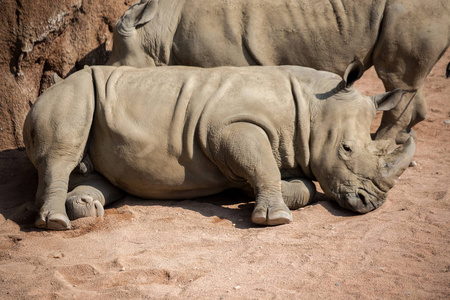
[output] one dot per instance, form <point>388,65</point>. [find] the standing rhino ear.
<point>148,13</point>
<point>353,72</point>
<point>389,100</point>
<point>56,78</point>
<point>138,14</point>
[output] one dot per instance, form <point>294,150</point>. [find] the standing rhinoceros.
<point>403,39</point>
<point>182,132</point>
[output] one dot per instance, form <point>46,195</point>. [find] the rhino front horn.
<point>396,162</point>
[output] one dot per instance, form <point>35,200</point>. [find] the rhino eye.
<point>347,148</point>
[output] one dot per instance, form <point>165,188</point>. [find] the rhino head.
<point>128,45</point>
<point>353,169</point>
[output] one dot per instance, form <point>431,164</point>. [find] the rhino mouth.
<point>361,201</point>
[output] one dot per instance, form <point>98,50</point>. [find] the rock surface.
<point>42,37</point>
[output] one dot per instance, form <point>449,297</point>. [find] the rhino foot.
<point>272,216</point>
<point>80,206</point>
<point>52,221</point>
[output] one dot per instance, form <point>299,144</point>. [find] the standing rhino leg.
<point>89,194</point>
<point>245,154</point>
<point>404,60</point>
<point>297,192</point>
<point>397,123</point>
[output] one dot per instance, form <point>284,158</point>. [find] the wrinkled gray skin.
<point>403,39</point>
<point>182,132</point>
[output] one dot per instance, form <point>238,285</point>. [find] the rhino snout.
<point>361,201</point>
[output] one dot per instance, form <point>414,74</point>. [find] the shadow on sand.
<point>18,184</point>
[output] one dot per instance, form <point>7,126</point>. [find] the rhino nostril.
<point>362,198</point>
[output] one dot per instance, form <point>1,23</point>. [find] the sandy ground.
<point>208,248</point>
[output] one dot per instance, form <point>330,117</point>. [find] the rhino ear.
<point>148,13</point>
<point>139,14</point>
<point>353,72</point>
<point>389,100</point>
<point>56,78</point>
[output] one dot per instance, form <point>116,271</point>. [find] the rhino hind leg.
<point>246,152</point>
<point>54,166</point>
<point>90,193</point>
<point>52,187</point>
<point>298,192</point>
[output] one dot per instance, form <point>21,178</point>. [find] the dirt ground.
<point>208,249</point>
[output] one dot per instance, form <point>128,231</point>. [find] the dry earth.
<point>208,249</point>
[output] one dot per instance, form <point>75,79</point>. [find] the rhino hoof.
<point>53,221</point>
<point>81,206</point>
<point>279,217</point>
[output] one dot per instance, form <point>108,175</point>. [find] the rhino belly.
<point>151,172</point>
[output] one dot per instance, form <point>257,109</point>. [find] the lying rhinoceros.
<point>402,39</point>
<point>183,132</point>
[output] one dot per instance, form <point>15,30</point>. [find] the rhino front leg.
<point>89,194</point>
<point>297,192</point>
<point>245,154</point>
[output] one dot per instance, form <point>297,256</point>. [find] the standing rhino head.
<point>353,169</point>
<point>129,46</point>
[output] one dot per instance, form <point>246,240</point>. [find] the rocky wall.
<point>41,37</point>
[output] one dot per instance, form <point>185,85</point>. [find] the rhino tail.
<point>137,15</point>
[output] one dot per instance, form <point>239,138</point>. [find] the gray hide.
<point>181,132</point>
<point>403,39</point>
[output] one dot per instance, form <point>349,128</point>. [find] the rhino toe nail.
<point>279,218</point>
<point>58,222</point>
<point>259,216</point>
<point>40,222</point>
<point>100,211</point>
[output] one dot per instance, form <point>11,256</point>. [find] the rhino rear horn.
<point>353,72</point>
<point>389,100</point>
<point>395,163</point>
<point>138,14</point>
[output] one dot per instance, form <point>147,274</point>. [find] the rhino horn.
<point>396,162</point>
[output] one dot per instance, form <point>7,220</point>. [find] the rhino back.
<point>274,32</point>
<point>151,131</point>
